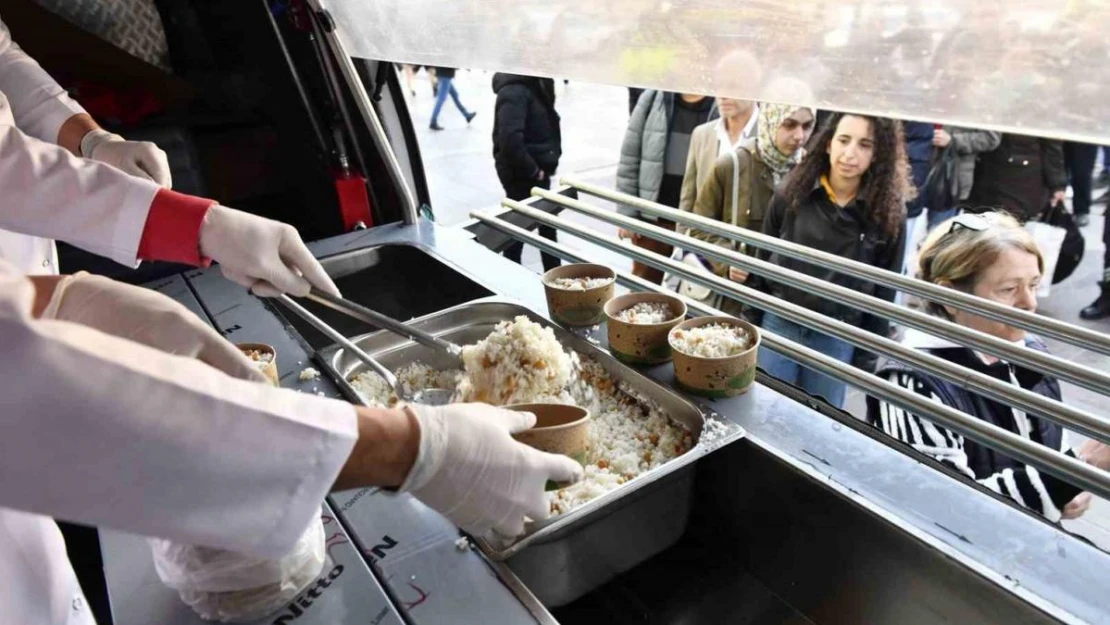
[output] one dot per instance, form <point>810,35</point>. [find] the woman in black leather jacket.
<point>847,198</point>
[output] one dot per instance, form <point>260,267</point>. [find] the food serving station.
<point>791,511</point>
<point>801,519</point>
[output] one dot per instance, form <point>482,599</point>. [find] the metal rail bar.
<point>1064,467</point>
<point>410,207</point>
<point>1078,374</point>
<point>1066,332</point>
<point>1058,412</point>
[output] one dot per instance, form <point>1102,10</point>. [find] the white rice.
<point>646,313</point>
<point>308,373</point>
<point>628,435</point>
<point>578,284</point>
<point>517,363</point>
<point>261,359</point>
<point>712,341</point>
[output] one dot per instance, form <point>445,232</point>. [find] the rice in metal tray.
<point>646,313</point>
<point>628,436</point>
<point>712,341</point>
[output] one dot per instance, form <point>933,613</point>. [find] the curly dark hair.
<point>886,186</point>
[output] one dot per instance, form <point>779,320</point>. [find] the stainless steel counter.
<point>1022,569</point>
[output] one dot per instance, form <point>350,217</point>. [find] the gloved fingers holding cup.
<point>471,470</point>
<point>264,255</point>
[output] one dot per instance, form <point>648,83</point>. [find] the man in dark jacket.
<point>1022,176</point>
<point>526,143</point>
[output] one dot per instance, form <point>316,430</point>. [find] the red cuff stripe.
<point>172,230</point>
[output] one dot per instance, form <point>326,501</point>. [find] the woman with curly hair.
<point>847,198</point>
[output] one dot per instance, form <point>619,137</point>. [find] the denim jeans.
<point>445,87</point>
<point>791,372</point>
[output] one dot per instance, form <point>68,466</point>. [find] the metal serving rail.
<point>1044,326</point>
<point>1085,422</point>
<point>1058,464</point>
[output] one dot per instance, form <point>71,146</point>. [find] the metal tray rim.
<point>328,355</point>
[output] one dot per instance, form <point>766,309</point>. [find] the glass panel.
<point>1032,66</point>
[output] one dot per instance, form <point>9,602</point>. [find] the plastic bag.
<point>231,587</point>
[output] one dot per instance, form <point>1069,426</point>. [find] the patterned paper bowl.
<point>264,357</point>
<point>726,376</point>
<point>579,307</point>
<point>642,343</point>
<point>560,429</point>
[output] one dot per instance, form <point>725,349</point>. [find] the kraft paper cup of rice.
<point>715,356</point>
<point>264,358</point>
<point>559,429</point>
<point>576,294</point>
<point>638,324</point>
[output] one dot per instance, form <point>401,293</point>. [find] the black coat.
<point>919,151</point>
<point>526,136</point>
<point>845,231</point>
<point>1018,176</point>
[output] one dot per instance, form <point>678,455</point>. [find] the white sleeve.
<point>108,432</point>
<point>39,104</point>
<point>48,192</point>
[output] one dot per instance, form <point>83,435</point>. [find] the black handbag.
<point>940,191</point>
<point>1071,252</point>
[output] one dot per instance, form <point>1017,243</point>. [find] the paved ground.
<point>459,165</point>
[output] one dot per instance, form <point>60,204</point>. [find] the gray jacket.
<point>640,173</point>
<point>969,143</point>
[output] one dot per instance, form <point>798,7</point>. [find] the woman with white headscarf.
<point>743,181</point>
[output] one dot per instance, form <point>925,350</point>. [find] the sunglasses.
<point>969,221</point>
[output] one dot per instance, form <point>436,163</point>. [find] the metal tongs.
<point>432,397</point>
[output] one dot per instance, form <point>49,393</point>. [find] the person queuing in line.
<point>445,86</point>
<point>527,144</point>
<point>737,126</point>
<point>1100,308</point>
<point>1079,161</point>
<point>847,198</point>
<point>653,160</point>
<point>919,151</point>
<point>968,143</point>
<point>989,255</point>
<point>1022,176</point>
<point>750,175</point>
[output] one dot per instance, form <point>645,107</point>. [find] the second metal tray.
<point>469,323</point>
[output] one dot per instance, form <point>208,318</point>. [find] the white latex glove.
<point>146,317</point>
<point>138,158</point>
<point>264,255</point>
<point>473,472</point>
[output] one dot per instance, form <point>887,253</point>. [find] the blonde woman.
<point>991,256</point>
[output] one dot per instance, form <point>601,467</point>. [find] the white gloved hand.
<point>473,472</point>
<point>138,158</point>
<point>264,255</point>
<point>146,317</point>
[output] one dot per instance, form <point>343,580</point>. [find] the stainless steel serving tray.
<point>472,322</point>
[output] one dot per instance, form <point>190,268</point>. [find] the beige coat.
<point>704,151</point>
<point>715,197</point>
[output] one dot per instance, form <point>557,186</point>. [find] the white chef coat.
<point>107,432</point>
<point>39,106</point>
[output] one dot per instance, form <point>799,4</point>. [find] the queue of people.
<point>853,195</point>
